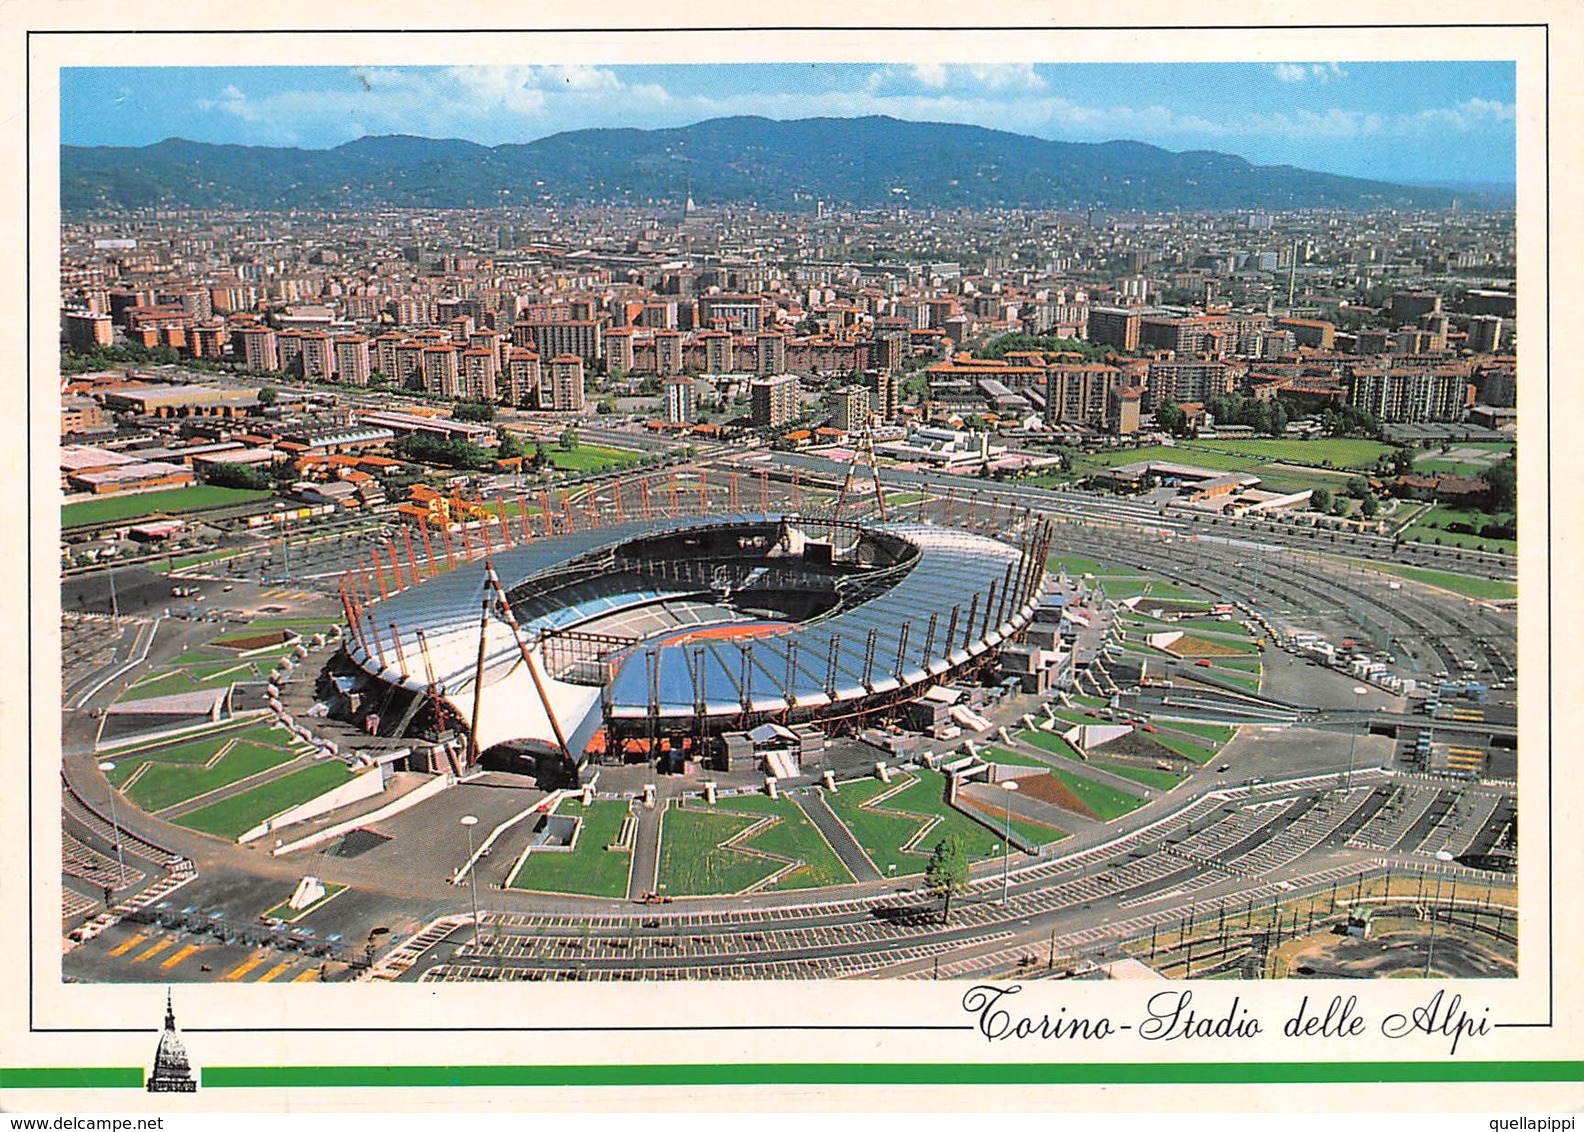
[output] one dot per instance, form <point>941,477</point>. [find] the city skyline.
<point>1388,121</point>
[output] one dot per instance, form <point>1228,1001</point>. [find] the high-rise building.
<point>1485,333</point>
<point>1411,306</point>
<point>1195,379</point>
<point>561,384</point>
<point>477,374</point>
<point>440,370</point>
<point>318,356</point>
<point>522,377</point>
<point>583,337</point>
<point>772,354</point>
<point>1114,326</point>
<point>353,365</point>
<point>85,331</point>
<point>717,351</point>
<point>884,393</point>
<point>681,400</point>
<point>849,408</point>
<point>738,314</point>
<point>774,400</point>
<point>1409,395</point>
<point>1080,394</point>
<point>668,352</point>
<point>258,349</point>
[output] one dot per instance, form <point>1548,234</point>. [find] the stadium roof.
<point>762,667</point>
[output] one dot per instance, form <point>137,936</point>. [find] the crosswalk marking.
<point>122,949</point>
<point>159,946</point>
<point>269,975</point>
<point>311,975</point>
<point>180,955</point>
<point>241,969</point>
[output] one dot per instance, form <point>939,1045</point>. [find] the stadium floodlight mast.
<point>469,821</point>
<point>115,825</point>
<point>1359,692</point>
<point>1010,786</point>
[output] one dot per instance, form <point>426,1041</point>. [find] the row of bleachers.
<point>86,863</point>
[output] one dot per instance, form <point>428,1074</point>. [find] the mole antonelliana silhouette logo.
<point>172,1073</point>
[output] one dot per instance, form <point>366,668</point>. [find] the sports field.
<point>117,507</point>
<point>589,458</point>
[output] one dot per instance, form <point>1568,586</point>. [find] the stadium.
<point>652,639</point>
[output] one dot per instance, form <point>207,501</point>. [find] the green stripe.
<point>1128,1073</point>
<point>69,1078</point>
<point>1146,1073</point>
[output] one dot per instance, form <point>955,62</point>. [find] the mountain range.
<point>779,165</point>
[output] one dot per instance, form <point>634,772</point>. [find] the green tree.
<point>267,396</point>
<point>1501,485</point>
<point>237,475</point>
<point>946,875</point>
<point>1369,507</point>
<point>473,411</point>
<point>510,447</point>
<point>1170,418</point>
<point>569,440</point>
<point>1320,499</point>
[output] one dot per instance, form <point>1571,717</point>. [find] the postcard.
<point>870,563</point>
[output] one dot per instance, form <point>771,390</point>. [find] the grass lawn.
<point>166,784</point>
<point>1107,802</point>
<point>1023,832</point>
<point>1211,731</point>
<point>1187,748</point>
<point>1076,565</point>
<point>1338,452</point>
<point>117,507</point>
<point>1431,527</point>
<point>1212,625</point>
<point>1046,741</point>
<point>694,863</point>
<point>1130,587</point>
<point>588,870</point>
<point>168,683</point>
<point>590,458</point>
<point>883,830</point>
<point>1003,757</point>
<point>1482,588</point>
<point>235,816</point>
<point>1159,779</point>
<point>1242,680</point>
<point>196,748</point>
<point>795,837</point>
<point>1145,775</point>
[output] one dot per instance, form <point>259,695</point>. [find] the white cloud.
<point>1007,76</point>
<point>496,104</point>
<point>1301,72</point>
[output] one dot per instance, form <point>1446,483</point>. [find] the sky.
<point>1418,122</point>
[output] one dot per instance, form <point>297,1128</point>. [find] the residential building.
<point>774,400</point>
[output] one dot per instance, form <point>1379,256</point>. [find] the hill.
<point>857,162</point>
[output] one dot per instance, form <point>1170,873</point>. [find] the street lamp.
<point>1359,692</point>
<point>1010,786</point>
<point>470,821</point>
<point>107,767</point>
